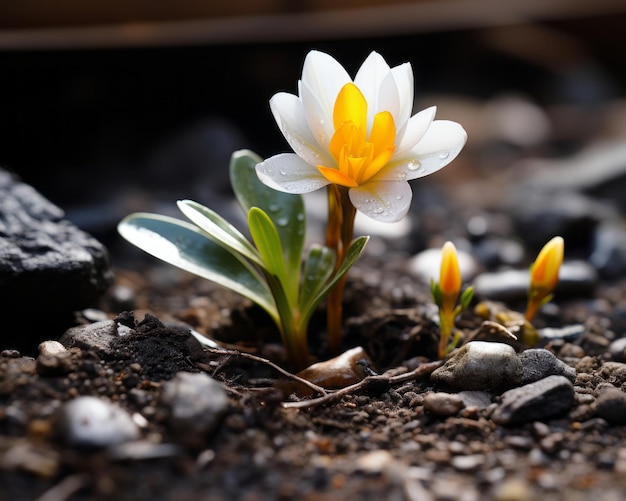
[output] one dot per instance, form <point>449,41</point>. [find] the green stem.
<point>446,324</point>
<point>339,234</point>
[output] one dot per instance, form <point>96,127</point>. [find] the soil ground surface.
<point>374,442</point>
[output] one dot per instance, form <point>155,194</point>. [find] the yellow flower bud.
<point>449,277</point>
<point>544,275</point>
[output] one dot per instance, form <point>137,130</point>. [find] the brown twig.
<point>421,371</point>
<point>249,356</point>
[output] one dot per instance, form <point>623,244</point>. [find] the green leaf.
<point>352,255</point>
<point>435,291</point>
<point>466,297</point>
<point>318,268</point>
<point>267,242</point>
<point>284,209</point>
<point>219,229</point>
<point>185,246</point>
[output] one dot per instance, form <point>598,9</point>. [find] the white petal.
<point>289,173</point>
<point>403,75</point>
<point>440,145</point>
<point>289,114</point>
<point>388,100</point>
<point>368,79</point>
<point>322,79</point>
<point>318,117</point>
<point>386,201</point>
<point>415,129</point>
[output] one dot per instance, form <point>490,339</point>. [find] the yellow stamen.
<point>358,157</point>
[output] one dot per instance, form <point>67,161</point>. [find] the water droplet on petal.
<point>444,154</point>
<point>402,174</point>
<point>398,197</point>
<point>283,172</point>
<point>378,210</point>
<point>413,165</point>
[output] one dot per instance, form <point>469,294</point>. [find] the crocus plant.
<point>269,270</point>
<point>544,275</point>
<point>358,139</point>
<point>448,297</point>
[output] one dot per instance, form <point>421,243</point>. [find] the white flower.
<point>359,134</point>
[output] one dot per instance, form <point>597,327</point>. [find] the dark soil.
<point>375,443</point>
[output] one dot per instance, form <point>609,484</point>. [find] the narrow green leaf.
<point>466,297</point>
<point>284,209</point>
<point>267,242</point>
<point>183,245</point>
<point>352,255</point>
<point>318,268</point>
<point>219,229</point>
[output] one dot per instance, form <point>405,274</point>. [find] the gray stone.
<point>617,350</point>
<point>539,363</point>
<point>98,337</point>
<point>481,365</point>
<point>569,333</point>
<point>477,399</point>
<point>443,404</point>
<point>575,278</point>
<point>608,253</point>
<point>196,403</point>
<point>46,262</point>
<point>611,406</point>
<point>95,422</point>
<point>51,348</point>
<point>543,399</point>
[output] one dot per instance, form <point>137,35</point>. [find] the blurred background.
<point>112,106</point>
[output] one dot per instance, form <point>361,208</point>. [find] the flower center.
<point>358,157</point>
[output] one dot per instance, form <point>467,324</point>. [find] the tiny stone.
<point>539,363</point>
<point>480,365</point>
<point>478,399</point>
<point>95,422</point>
<point>467,463</point>
<point>617,349</point>
<point>611,406</point>
<point>51,348</point>
<point>196,403</point>
<point>54,365</point>
<point>443,404</point>
<point>542,399</point>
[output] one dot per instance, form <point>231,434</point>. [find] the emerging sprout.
<point>269,270</point>
<point>446,296</point>
<point>544,275</point>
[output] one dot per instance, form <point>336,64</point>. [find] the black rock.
<point>49,268</point>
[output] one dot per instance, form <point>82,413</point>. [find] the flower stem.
<point>339,233</point>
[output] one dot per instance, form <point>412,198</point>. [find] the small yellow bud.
<point>544,274</point>
<point>449,277</point>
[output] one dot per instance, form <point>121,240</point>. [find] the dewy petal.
<point>403,75</point>
<point>322,79</point>
<point>371,73</point>
<point>440,145</point>
<point>289,115</point>
<point>386,201</point>
<point>415,129</point>
<point>389,100</point>
<point>287,172</point>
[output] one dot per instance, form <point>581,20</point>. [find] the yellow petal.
<point>350,106</point>
<point>337,177</point>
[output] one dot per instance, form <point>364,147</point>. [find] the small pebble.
<point>546,398</point>
<point>539,363</point>
<point>51,348</point>
<point>617,349</point>
<point>443,404</point>
<point>196,403</point>
<point>611,406</point>
<point>95,422</point>
<point>480,365</point>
